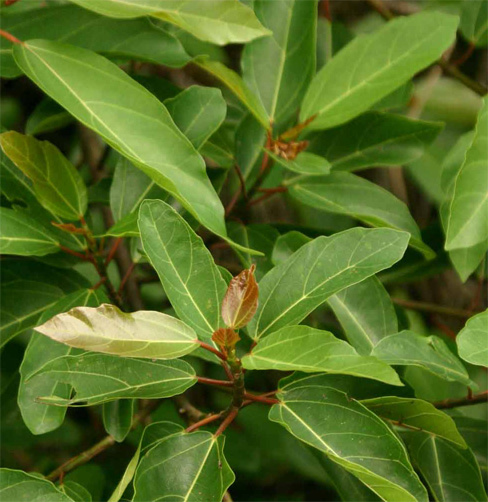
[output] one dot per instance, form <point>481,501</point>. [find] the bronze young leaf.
<point>241,299</point>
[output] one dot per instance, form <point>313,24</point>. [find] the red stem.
<point>126,276</point>
<point>261,399</point>
<point>203,422</point>
<point>208,347</point>
<point>75,253</point>
<point>10,37</point>
<point>465,56</point>
<point>212,381</point>
<point>113,250</point>
<point>227,421</point>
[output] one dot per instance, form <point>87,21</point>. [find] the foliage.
<point>243,250</point>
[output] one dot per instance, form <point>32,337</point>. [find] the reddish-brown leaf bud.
<point>69,227</point>
<point>241,299</point>
<point>225,338</point>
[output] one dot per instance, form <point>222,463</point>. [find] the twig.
<point>189,412</point>
<point>126,277</point>
<point>269,193</point>
<point>464,401</point>
<point>260,399</point>
<point>113,250</point>
<point>467,54</point>
<point>432,308</point>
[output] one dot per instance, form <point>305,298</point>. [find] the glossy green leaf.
<point>185,267</point>
<point>234,82</point>
<point>57,184</point>
<point>48,116</point>
<point>374,139</point>
<point>129,118</point>
<point>474,22</point>
<point>304,163</point>
<point>346,193</point>
<point>372,66</point>
<point>415,414</point>
<point>320,269</point>
<point>351,435</point>
<point>20,486</point>
<point>301,348</point>
<point>431,353</point>
<point>130,186</point>
<point>278,68</point>
<point>27,290</point>
<point>19,190</point>
<point>125,227</point>
<point>40,351</point>
<point>109,330</point>
<point>99,378</point>
<point>450,472</point>
<point>366,314</point>
<point>220,22</point>
<point>472,340</point>
<point>465,260</point>
<point>467,220</point>
<point>117,418</point>
<point>23,236</point>
<point>364,310</point>
<point>83,28</point>
<point>198,112</point>
<point>185,467</point>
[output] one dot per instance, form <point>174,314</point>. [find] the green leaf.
<point>75,491</point>
<point>301,348</point>
<point>467,220</point>
<point>235,83</point>
<point>472,340</point>
<point>346,193</point>
<point>374,65</point>
<point>24,300</point>
<point>185,467</point>
<point>23,236</point>
<point>40,351</point>
<point>450,472</point>
<point>47,116</point>
<point>125,227</point>
<point>129,118</point>
<point>431,353</point>
<point>99,378</point>
<point>366,314</point>
<point>279,68</point>
<point>20,486</point>
<point>109,330</point>
<point>415,414</point>
<point>57,184</point>
<point>19,190</point>
<point>348,487</point>
<point>351,435</point>
<point>117,418</point>
<point>304,163</point>
<point>474,22</point>
<point>475,432</point>
<point>310,275</point>
<point>220,22</point>
<point>185,267</point>
<point>198,112</point>
<point>112,37</point>
<point>374,139</point>
<point>364,310</point>
<point>130,186</point>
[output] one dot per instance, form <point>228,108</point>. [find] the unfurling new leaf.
<point>241,299</point>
